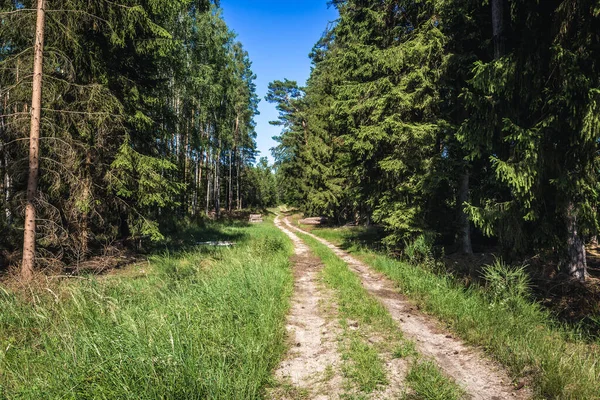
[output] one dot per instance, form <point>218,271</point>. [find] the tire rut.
<point>481,378</point>
<point>311,368</point>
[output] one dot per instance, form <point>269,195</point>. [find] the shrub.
<point>420,250</point>
<point>506,285</point>
<point>269,245</point>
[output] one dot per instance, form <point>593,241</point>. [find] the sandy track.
<point>481,378</point>
<point>312,364</point>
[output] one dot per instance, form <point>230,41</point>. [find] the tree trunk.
<point>305,129</point>
<point>237,178</point>
<point>196,184</point>
<point>201,167</point>
<point>34,139</point>
<point>464,233</point>
<point>184,163</point>
<point>7,186</point>
<point>3,174</point>
<point>230,189</point>
<point>86,199</point>
<point>498,28</point>
<point>237,162</point>
<point>576,258</point>
<point>84,229</point>
<point>208,183</point>
<point>5,179</point>
<point>217,190</point>
<point>124,230</point>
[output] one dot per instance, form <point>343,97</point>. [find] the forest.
<point>428,229</point>
<point>471,124</point>
<point>146,119</point>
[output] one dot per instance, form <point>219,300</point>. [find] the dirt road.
<point>468,366</point>
<point>311,367</point>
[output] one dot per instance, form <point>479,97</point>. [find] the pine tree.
<point>541,144</point>
<point>137,118</point>
<point>34,139</point>
<point>427,117</point>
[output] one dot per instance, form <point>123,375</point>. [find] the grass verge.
<point>428,383</point>
<point>362,318</point>
<point>207,324</point>
<point>521,335</point>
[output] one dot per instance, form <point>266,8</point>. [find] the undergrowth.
<point>205,324</point>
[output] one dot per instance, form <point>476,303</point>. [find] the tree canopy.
<point>450,119</point>
<point>147,118</point>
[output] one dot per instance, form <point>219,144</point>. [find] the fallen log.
<point>216,243</point>
<point>255,218</point>
<point>313,221</point>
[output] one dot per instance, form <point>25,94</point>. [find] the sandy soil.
<point>480,377</point>
<point>311,369</point>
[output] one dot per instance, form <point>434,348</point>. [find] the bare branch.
<point>82,112</point>
<point>2,14</point>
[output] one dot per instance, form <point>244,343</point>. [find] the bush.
<point>420,250</point>
<point>269,245</point>
<point>506,285</point>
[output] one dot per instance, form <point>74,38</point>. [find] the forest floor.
<point>465,366</point>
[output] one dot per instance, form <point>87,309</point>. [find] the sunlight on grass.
<point>204,324</point>
<point>518,333</point>
<point>366,371</point>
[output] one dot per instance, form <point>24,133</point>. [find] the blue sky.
<point>278,35</point>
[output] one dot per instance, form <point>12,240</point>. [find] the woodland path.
<point>481,378</point>
<point>311,369</point>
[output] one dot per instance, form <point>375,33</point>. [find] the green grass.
<point>365,370</point>
<point>404,350</point>
<point>359,315</point>
<point>521,335</point>
<point>369,318</point>
<point>427,383</point>
<point>207,324</point>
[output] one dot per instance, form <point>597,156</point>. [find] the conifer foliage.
<point>449,118</point>
<point>146,118</point>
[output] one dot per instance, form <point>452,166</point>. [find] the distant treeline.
<point>452,119</point>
